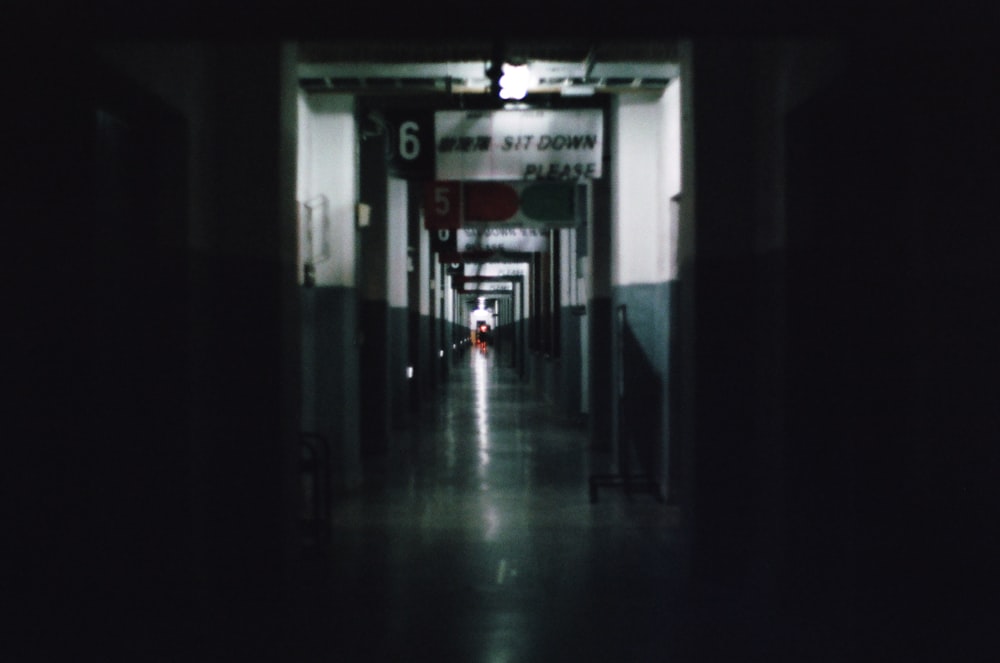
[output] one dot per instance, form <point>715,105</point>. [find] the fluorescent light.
<point>577,91</point>
<point>515,81</point>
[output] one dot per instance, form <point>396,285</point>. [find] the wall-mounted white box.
<point>364,215</point>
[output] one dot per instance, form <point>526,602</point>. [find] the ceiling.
<point>460,67</point>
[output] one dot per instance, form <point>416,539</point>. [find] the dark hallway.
<point>474,540</point>
<point>802,233</point>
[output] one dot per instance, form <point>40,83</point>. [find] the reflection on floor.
<point>474,540</point>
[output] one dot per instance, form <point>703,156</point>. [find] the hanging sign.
<point>410,149</point>
<point>472,285</point>
<point>442,205</point>
<point>489,201</point>
<point>444,239</point>
<point>518,144</point>
<point>514,240</point>
<point>537,205</point>
<point>540,205</point>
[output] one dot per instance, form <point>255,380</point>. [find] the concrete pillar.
<point>423,351</point>
<point>327,193</point>
<point>373,272</point>
<point>569,367</point>
<point>716,260</point>
<point>216,447</point>
<point>398,335</point>
<point>645,182</point>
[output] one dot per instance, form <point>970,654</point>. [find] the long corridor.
<point>474,540</point>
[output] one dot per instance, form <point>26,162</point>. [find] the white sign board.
<point>515,240</point>
<point>490,286</point>
<point>519,144</point>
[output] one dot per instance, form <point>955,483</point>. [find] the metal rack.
<point>642,482</point>
<point>314,471</point>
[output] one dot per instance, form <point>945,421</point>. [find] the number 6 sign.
<point>411,143</point>
<point>409,140</point>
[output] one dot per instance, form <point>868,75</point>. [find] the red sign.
<point>490,201</point>
<point>443,205</point>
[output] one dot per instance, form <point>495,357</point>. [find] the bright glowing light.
<point>515,81</point>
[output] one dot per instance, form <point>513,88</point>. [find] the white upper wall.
<point>327,167</point>
<point>646,132</point>
<point>672,126</point>
<point>397,242</point>
<point>423,263</point>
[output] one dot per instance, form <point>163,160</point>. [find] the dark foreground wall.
<point>904,337</point>
<point>162,342</point>
<point>840,433</point>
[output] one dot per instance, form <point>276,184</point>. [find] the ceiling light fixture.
<point>515,81</point>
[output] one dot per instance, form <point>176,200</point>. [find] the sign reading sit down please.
<point>518,144</point>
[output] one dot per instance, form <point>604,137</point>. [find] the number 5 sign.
<point>443,205</point>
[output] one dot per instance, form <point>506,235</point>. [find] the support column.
<point>373,272</point>
<point>328,173</point>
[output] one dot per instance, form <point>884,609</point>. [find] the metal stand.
<point>314,464</point>
<point>638,482</point>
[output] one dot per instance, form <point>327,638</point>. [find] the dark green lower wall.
<point>557,378</point>
<point>330,366</point>
<point>375,385</point>
<point>398,349</point>
<point>541,371</point>
<point>567,393</point>
<point>599,317</point>
<point>641,418</point>
<point>506,345</point>
<point>423,355</point>
<point>522,331</point>
<point>387,395</point>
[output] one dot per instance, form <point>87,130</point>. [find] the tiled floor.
<point>474,540</point>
